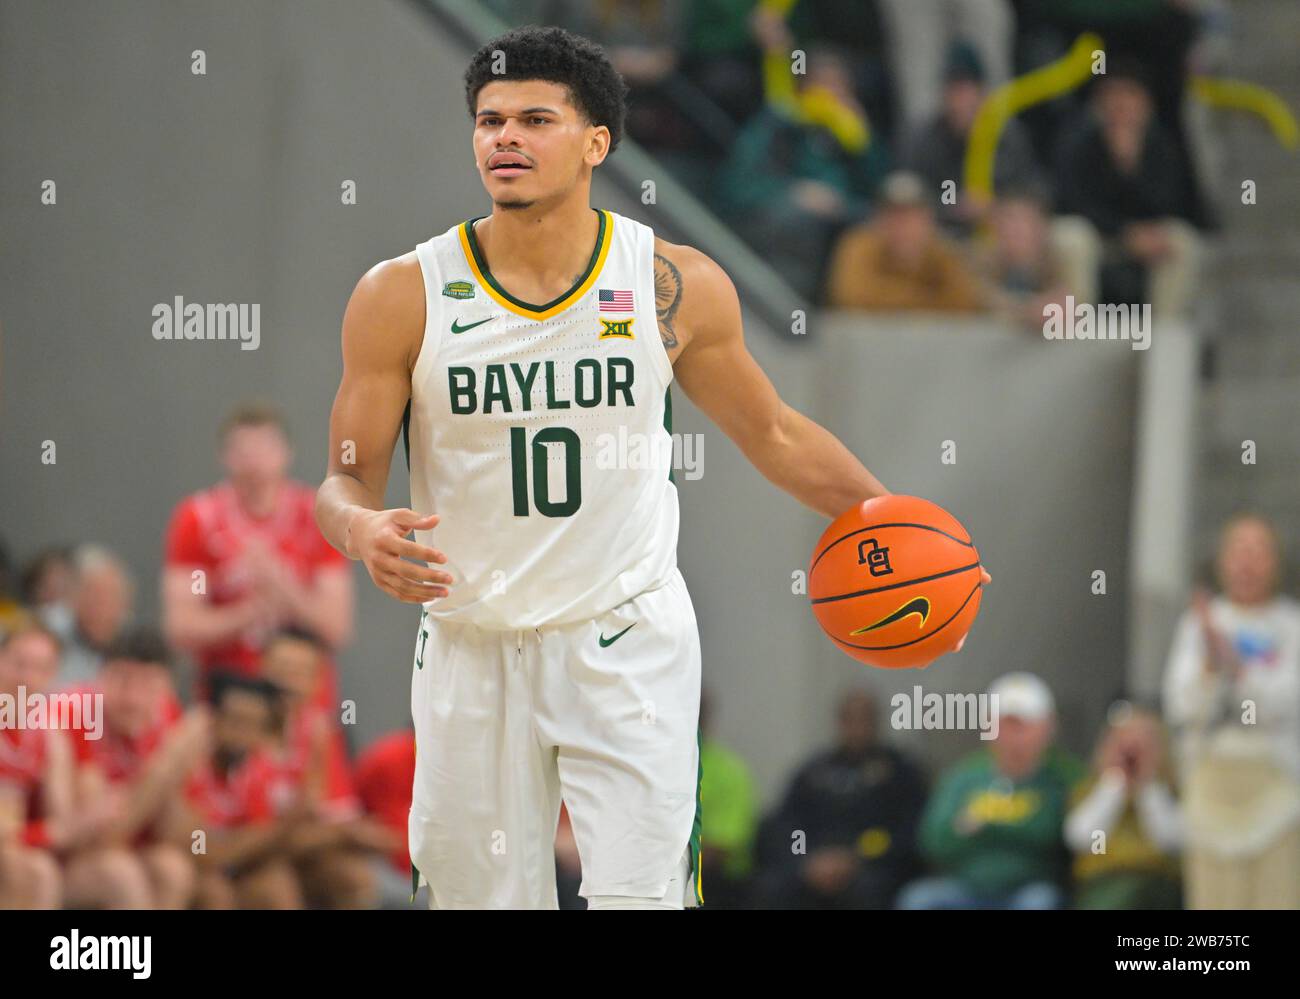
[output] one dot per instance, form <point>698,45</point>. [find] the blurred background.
<point>899,189</point>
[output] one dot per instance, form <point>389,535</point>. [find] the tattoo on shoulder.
<point>668,296</point>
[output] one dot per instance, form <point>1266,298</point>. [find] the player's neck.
<point>549,244</point>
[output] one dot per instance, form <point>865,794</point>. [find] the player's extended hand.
<point>378,538</point>
<point>985,579</point>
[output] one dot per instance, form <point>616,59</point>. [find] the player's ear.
<point>597,145</point>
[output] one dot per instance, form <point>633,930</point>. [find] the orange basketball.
<point>895,581</point>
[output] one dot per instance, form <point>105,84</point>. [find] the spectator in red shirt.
<point>385,775</point>
<point>133,769</point>
<point>334,847</point>
<point>245,558</point>
<point>35,779</point>
<point>244,855</point>
<point>313,754</point>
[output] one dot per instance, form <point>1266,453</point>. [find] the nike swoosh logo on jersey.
<point>605,642</point>
<point>457,328</point>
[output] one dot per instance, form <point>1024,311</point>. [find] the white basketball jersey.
<point>540,434</point>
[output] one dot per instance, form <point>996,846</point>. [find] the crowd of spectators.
<point>240,792</point>
<point>245,793</point>
<point>832,135</point>
<point>1207,819</point>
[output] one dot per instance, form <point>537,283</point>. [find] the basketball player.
<point>557,655</point>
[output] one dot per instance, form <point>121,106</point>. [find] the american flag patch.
<point>616,301</point>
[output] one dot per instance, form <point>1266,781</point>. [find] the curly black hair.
<point>548,53</point>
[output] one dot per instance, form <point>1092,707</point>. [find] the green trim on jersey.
<point>481,263</point>
<point>406,434</point>
<point>415,874</point>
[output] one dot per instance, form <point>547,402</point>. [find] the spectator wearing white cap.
<point>992,829</point>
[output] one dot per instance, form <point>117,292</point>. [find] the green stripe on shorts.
<point>697,827</point>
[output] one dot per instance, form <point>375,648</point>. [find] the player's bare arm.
<point>700,324</point>
<point>382,331</point>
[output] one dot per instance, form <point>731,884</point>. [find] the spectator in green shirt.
<point>729,818</point>
<point>993,828</point>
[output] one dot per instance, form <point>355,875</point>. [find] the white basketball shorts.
<point>603,714</point>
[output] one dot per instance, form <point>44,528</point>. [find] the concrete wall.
<point>1041,479</point>
<point>226,188</point>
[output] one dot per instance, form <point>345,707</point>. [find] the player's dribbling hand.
<point>378,539</point>
<point>985,579</point>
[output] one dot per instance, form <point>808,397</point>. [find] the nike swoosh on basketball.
<point>457,328</point>
<point>605,642</point>
<point>917,605</point>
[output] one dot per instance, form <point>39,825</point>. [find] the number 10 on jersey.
<point>520,450</point>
